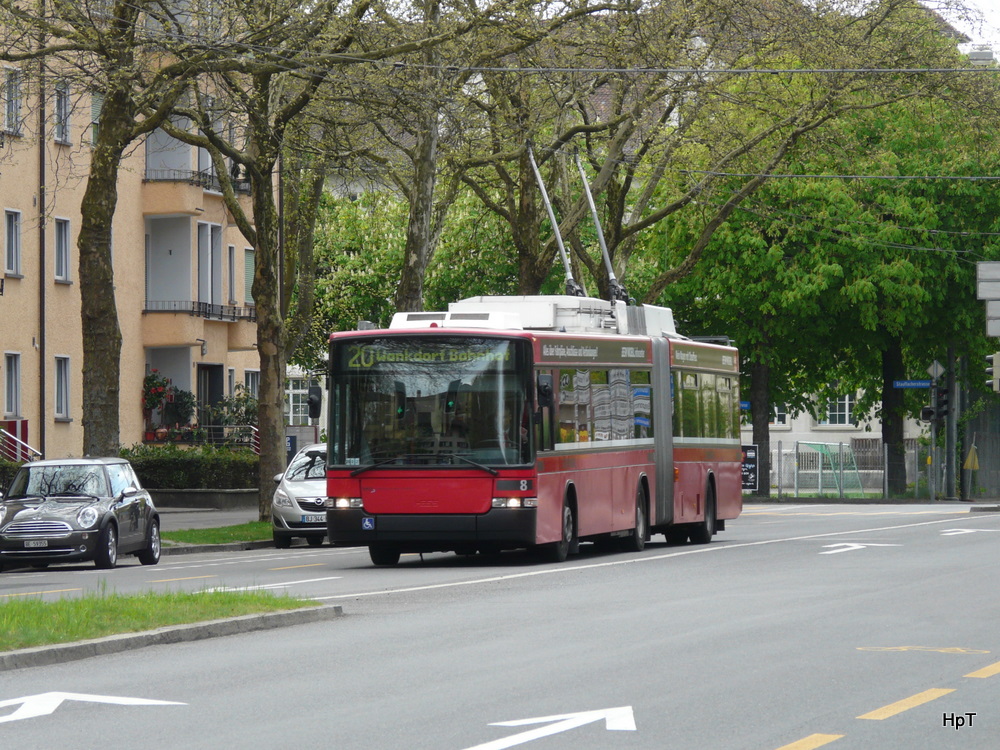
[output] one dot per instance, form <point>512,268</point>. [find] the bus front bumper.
<point>499,528</point>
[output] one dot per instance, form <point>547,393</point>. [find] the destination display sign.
<point>584,351</point>
<point>703,357</point>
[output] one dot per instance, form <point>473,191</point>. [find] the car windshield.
<point>309,464</point>
<point>56,482</point>
<point>430,401</point>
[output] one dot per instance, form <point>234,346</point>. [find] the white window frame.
<point>231,275</point>
<point>62,250</point>
<point>251,379</point>
<point>297,400</point>
<point>12,242</point>
<point>840,411</point>
<point>249,268</point>
<point>96,105</point>
<point>12,384</point>
<point>62,111</point>
<point>12,95</point>
<point>62,385</point>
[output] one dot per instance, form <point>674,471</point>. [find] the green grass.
<point>255,531</point>
<point>28,622</point>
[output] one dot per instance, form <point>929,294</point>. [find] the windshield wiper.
<point>74,494</point>
<point>469,461</point>
<point>404,456</point>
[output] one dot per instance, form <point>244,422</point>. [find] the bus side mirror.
<point>315,401</point>
<point>544,389</point>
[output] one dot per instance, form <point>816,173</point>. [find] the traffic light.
<point>993,370</point>
<point>927,413</point>
<point>941,401</point>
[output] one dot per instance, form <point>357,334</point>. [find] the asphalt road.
<point>799,627</point>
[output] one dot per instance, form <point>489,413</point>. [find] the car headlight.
<point>87,517</point>
<point>3,512</point>
<point>281,498</point>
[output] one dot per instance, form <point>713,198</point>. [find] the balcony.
<point>180,322</point>
<point>182,191</point>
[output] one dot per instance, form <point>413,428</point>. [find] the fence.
<point>855,469</point>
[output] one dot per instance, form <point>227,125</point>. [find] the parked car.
<point>297,509</point>
<point>77,509</point>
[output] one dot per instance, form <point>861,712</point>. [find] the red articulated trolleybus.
<point>529,422</point>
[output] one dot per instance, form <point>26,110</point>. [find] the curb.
<point>190,549</point>
<point>114,644</point>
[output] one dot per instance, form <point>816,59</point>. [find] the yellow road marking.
<point>907,703</point>
<point>35,593</point>
<point>942,650</point>
<point>190,578</point>
<point>812,741</point>
<point>293,567</point>
<point>989,671</point>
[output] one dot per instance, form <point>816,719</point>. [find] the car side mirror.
<point>277,478</point>
<point>128,492</point>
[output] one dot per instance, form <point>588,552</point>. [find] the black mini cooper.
<point>77,509</point>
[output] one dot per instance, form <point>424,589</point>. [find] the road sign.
<point>911,384</point>
<point>615,719</point>
<point>936,369</point>
<point>988,280</point>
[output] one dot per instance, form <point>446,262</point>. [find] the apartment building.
<point>183,271</point>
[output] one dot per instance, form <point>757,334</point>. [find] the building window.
<point>251,379</point>
<point>297,400</point>
<point>96,105</point>
<point>12,385</point>
<point>839,411</point>
<point>779,414</point>
<point>231,274</point>
<point>62,387</point>
<point>63,108</point>
<point>249,263</point>
<point>62,250</point>
<point>13,242</point>
<point>12,102</point>
<point>231,383</point>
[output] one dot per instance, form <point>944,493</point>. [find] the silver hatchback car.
<point>297,509</point>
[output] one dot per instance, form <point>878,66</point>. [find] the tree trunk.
<point>892,416</point>
<point>102,339</point>
<point>760,411</point>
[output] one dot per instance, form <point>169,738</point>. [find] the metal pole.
<point>796,483</point>
<point>573,288</point>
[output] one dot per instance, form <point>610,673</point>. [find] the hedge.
<point>7,471</point>
<point>170,467</point>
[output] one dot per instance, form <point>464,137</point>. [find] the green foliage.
<point>179,407</point>
<point>154,390</point>
<point>238,409</point>
<point>7,471</point>
<point>172,467</point>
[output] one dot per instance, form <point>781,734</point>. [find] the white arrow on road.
<point>849,546</point>
<point>45,703</point>
<point>954,532</point>
<point>615,719</point>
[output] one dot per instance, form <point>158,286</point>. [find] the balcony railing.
<point>204,179</point>
<point>13,449</point>
<point>202,309</point>
<point>228,435</point>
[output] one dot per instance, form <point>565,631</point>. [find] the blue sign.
<point>745,405</point>
<point>368,524</point>
<point>911,384</point>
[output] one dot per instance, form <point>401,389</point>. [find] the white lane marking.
<point>44,704</point>
<point>851,546</point>
<point>615,719</point>
<point>265,586</point>
<point>562,569</point>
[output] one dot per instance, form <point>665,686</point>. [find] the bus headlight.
<point>343,503</point>
<point>515,502</point>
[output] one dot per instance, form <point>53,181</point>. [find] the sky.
<point>989,32</point>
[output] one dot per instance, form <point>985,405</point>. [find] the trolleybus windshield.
<point>426,401</point>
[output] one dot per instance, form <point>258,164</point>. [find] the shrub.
<point>7,471</point>
<point>171,467</point>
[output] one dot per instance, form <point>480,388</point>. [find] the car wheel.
<point>106,555</point>
<point>151,554</point>
<point>281,541</point>
<point>383,555</point>
<point>314,541</point>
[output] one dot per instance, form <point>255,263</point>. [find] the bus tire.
<point>559,551</point>
<point>636,541</point>
<point>383,555</point>
<point>702,533</point>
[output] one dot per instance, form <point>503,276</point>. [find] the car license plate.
<point>32,543</point>
<point>314,518</point>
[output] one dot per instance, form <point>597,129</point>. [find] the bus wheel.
<point>636,541</point>
<point>383,555</point>
<point>559,551</point>
<point>702,533</point>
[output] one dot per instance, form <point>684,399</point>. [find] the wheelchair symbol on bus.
<point>368,524</point>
